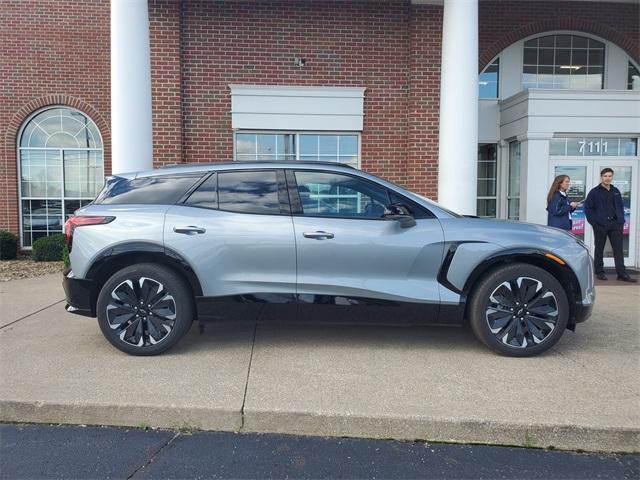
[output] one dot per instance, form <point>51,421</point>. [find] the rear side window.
<point>164,190</point>
<point>249,192</point>
<point>206,195</point>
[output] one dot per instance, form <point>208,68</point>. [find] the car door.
<point>348,254</point>
<point>236,232</point>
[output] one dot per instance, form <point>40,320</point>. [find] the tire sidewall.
<point>172,283</point>
<point>480,300</point>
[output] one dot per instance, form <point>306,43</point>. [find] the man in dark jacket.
<point>605,212</point>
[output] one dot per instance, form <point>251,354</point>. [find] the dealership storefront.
<point>390,87</point>
<point>561,102</point>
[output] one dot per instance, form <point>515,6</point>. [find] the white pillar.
<point>131,147</point>
<point>458,152</point>
<point>535,177</point>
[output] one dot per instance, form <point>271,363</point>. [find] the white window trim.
<point>297,133</point>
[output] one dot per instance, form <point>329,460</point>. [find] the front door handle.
<point>320,235</point>
<point>189,229</point>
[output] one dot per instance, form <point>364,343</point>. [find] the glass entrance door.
<point>585,174</point>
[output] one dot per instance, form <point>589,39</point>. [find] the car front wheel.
<point>145,309</point>
<point>519,310</point>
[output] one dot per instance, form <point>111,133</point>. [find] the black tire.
<point>140,328</point>
<point>523,324</point>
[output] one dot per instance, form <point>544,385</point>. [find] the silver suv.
<point>312,241</point>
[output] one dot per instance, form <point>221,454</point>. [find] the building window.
<point>341,148</point>
<point>265,146</point>
<point>633,77</point>
<point>60,160</point>
<point>563,61</point>
<point>488,80</point>
<point>513,186</point>
<point>487,180</point>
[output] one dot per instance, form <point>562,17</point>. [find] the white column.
<point>458,152</point>
<point>131,147</point>
<point>535,177</point>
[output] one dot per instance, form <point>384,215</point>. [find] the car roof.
<point>195,168</point>
<point>187,168</point>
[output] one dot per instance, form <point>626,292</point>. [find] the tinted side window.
<point>206,195</point>
<point>336,195</point>
<point>249,192</point>
<point>164,190</point>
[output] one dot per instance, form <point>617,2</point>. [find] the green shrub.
<point>49,249</point>
<point>8,245</point>
<point>65,256</point>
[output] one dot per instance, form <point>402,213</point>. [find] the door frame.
<point>594,165</point>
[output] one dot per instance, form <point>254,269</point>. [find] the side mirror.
<point>399,213</point>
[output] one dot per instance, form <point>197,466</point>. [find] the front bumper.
<point>79,294</point>
<point>583,312</point>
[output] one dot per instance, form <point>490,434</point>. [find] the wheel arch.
<point>537,258</point>
<point>134,253</point>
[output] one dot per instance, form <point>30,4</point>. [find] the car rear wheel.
<point>145,309</point>
<point>519,310</point>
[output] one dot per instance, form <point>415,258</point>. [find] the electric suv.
<point>313,242</point>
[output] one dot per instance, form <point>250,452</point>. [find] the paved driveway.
<point>430,383</point>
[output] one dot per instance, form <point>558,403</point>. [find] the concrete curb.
<point>188,418</point>
<point>450,430</point>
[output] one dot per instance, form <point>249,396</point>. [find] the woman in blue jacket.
<point>558,206</point>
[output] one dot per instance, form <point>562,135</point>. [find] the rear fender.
<point>127,254</point>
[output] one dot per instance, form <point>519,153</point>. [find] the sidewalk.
<point>429,383</point>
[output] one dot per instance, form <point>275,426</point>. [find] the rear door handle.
<point>189,229</point>
<point>320,235</point>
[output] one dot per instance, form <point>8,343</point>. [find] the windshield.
<point>431,202</point>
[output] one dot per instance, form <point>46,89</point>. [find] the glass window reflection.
<point>563,62</point>
<point>61,169</point>
<point>249,192</point>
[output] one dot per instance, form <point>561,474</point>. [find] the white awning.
<point>266,107</point>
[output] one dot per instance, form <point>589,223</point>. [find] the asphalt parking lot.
<point>43,452</point>
<point>426,383</point>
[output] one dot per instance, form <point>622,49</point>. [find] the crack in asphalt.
<point>30,314</point>
<point>154,455</point>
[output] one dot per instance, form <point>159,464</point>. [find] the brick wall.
<point>50,53</point>
<point>345,43</point>
<point>58,53</point>
<point>165,23</point>
<point>502,22</point>
<point>424,100</point>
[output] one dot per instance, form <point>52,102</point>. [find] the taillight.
<point>81,221</point>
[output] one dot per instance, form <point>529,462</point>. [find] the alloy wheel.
<point>142,312</point>
<point>522,312</point>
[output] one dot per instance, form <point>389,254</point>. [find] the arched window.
<point>488,80</point>
<point>563,61</point>
<point>60,159</point>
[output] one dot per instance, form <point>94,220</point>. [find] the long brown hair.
<point>555,186</point>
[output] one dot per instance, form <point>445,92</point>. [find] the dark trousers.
<point>614,232</point>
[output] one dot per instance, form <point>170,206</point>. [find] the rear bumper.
<point>79,295</point>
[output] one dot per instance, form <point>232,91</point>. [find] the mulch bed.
<point>24,267</point>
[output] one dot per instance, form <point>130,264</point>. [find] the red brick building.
<point>215,66</point>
